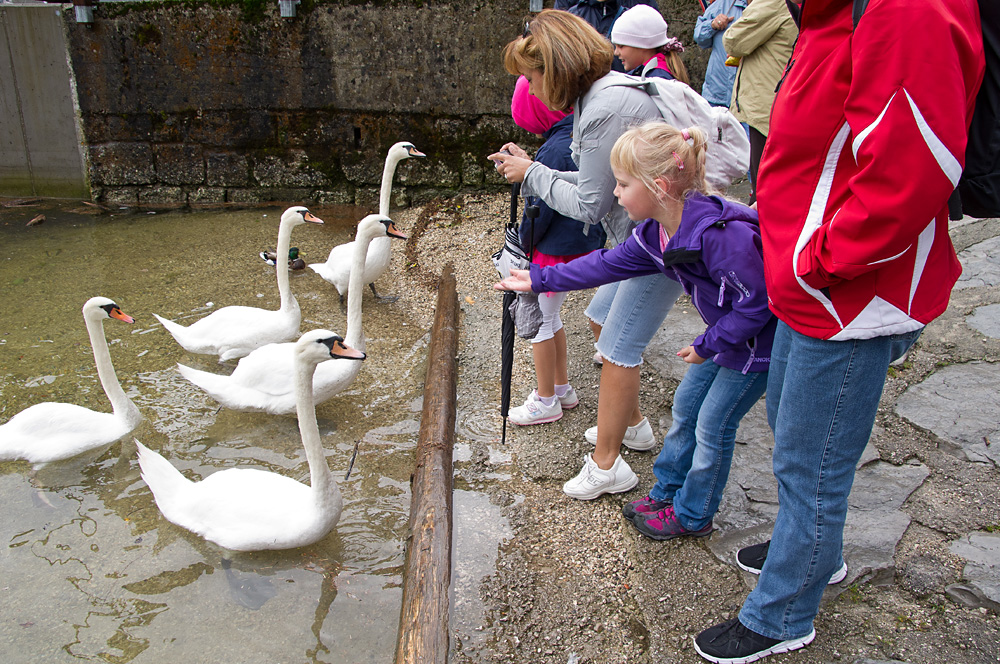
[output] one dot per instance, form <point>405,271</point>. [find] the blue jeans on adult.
<point>822,397</point>
<point>693,466</point>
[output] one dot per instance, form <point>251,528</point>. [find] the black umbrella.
<point>507,330</point>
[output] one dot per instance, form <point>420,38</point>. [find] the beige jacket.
<point>763,38</point>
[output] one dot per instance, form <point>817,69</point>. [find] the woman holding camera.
<point>568,65</point>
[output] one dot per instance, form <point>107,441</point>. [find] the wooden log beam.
<point>423,622</point>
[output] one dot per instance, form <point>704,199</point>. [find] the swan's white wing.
<point>235,331</point>
<point>54,431</point>
<point>269,369</point>
<point>333,377</point>
<point>262,381</point>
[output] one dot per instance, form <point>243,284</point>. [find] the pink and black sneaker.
<point>644,506</point>
<point>664,525</point>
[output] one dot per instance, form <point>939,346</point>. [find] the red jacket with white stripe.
<point>867,142</point>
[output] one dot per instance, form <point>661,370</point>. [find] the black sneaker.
<point>751,558</point>
<point>733,643</point>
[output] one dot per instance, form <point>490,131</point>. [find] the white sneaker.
<point>598,358</point>
<point>639,437</point>
<point>569,400</point>
<point>593,482</point>
<point>535,412</point>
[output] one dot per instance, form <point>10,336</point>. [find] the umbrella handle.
<point>515,193</point>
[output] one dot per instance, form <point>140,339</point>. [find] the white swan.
<point>245,509</point>
<point>232,332</point>
<point>337,268</point>
<point>53,431</point>
<point>264,379</point>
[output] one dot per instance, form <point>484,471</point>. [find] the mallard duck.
<point>294,262</point>
<point>234,331</point>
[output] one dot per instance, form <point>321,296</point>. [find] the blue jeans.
<point>693,466</point>
<point>822,397</point>
<point>629,313</point>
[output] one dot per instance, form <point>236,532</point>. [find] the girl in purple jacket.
<point>712,247</point>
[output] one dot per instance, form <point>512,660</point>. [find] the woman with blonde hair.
<point>566,63</point>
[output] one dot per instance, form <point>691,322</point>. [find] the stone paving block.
<point>986,320</point>
<point>980,265</point>
<point>959,404</point>
<point>981,585</point>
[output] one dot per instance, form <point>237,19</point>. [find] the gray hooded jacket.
<point>601,115</point>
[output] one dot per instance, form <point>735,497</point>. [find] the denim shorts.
<point>629,313</point>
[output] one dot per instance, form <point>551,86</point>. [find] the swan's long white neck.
<point>120,403</point>
<point>388,171</point>
<point>281,266</point>
<point>355,335</point>
<point>320,478</point>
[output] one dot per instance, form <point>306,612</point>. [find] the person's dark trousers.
<point>757,141</point>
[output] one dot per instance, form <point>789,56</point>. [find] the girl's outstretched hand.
<point>519,281</point>
<point>688,355</point>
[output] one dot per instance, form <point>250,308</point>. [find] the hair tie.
<point>673,45</point>
<point>686,135</point>
<point>679,162</point>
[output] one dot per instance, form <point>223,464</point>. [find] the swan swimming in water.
<point>264,379</point>
<point>246,509</point>
<point>337,268</point>
<point>54,431</point>
<point>232,332</point>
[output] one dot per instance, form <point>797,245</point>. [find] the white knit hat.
<point>640,27</point>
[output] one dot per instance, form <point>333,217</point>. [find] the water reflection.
<point>91,569</point>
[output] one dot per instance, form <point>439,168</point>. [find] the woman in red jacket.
<point>867,140</point>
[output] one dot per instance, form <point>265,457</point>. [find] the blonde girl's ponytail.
<point>658,150</point>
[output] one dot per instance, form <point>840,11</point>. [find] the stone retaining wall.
<point>186,103</point>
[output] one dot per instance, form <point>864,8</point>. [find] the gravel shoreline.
<point>575,582</point>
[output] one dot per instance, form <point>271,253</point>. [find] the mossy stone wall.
<point>188,103</point>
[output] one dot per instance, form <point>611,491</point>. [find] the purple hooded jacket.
<point>715,254</point>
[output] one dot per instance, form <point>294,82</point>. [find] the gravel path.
<point>576,583</point>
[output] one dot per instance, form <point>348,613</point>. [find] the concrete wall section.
<point>40,152</point>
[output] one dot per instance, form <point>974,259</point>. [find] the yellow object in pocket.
<point>732,61</point>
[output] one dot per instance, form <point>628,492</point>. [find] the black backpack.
<point>978,193</point>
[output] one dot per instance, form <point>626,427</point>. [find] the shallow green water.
<point>90,570</point>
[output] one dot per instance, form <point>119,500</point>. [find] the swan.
<point>232,332</point>
<point>246,509</point>
<point>337,268</point>
<point>264,379</point>
<point>54,431</point>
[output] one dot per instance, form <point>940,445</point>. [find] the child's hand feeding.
<point>688,355</point>
<point>519,281</point>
